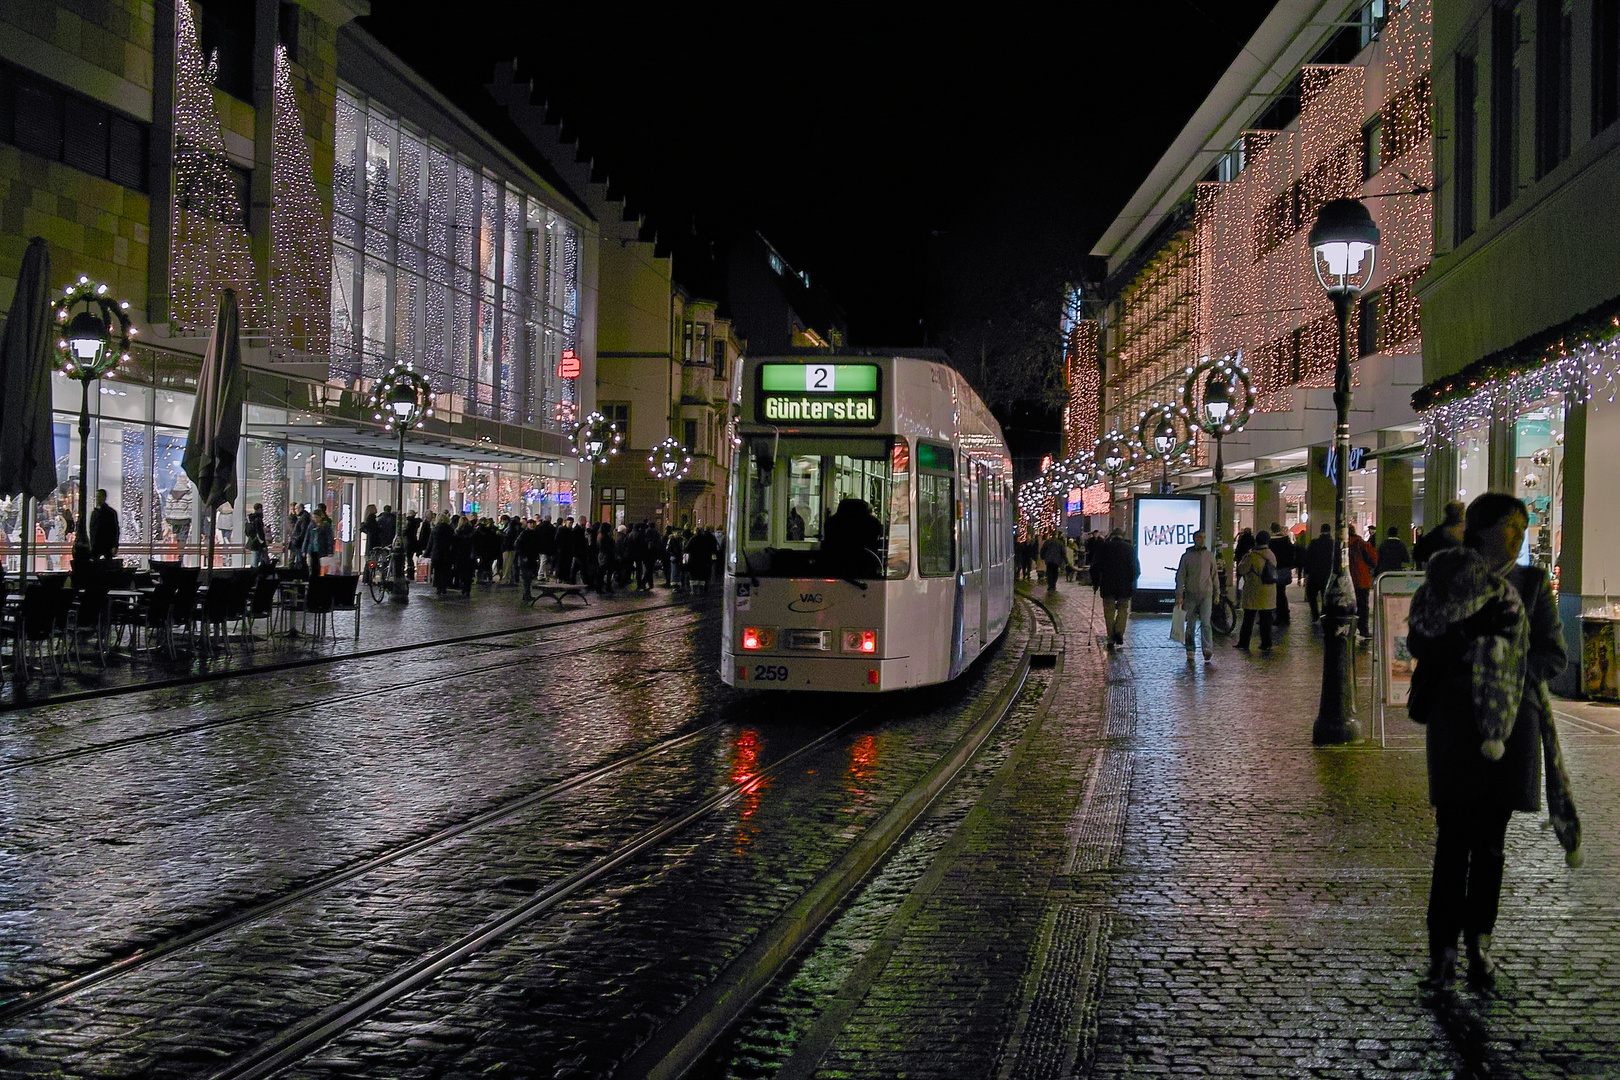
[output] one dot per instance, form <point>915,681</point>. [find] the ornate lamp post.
<point>1217,398</point>
<point>1115,456</point>
<point>668,462</point>
<point>400,400</point>
<point>1164,435</point>
<point>1344,251</point>
<point>86,351</point>
<point>596,442</point>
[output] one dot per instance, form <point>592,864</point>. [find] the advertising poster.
<point>1164,529</point>
<point>1398,670</point>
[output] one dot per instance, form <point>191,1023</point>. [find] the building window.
<point>1372,147</point>
<point>1605,63</point>
<point>287,27</point>
<point>1367,325</point>
<point>686,344</point>
<point>1231,163</point>
<point>689,436</point>
<point>1506,26</point>
<point>618,413</point>
<point>439,262</point>
<point>54,123</point>
<point>720,357</point>
<point>225,32</point>
<point>1554,45</point>
<point>1466,146</point>
<point>700,353</point>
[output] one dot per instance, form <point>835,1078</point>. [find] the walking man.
<point>1116,582</point>
<point>1282,546</point>
<point>1318,568</point>
<point>1195,596</point>
<point>1054,556</point>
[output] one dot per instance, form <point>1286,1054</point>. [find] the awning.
<point>344,436</point>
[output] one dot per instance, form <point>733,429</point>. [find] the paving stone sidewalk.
<point>426,619</point>
<point>1176,883</point>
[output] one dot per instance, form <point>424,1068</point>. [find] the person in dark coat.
<point>674,558</point>
<point>654,558</point>
<point>425,533</point>
<point>635,554</point>
<point>1054,555</point>
<point>465,559</point>
<point>1363,562</point>
<point>1473,793</point>
<point>103,528</point>
<point>1318,569</point>
<point>1449,533</point>
<point>1094,544</point>
<point>1392,554</point>
<point>607,555</point>
<point>408,532</point>
<point>1117,569</point>
<point>526,551</point>
<point>701,551</point>
<point>546,547</point>
<point>441,553</point>
<point>853,539</point>
<point>1282,549</point>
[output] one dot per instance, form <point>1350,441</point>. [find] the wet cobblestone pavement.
<point>1144,870</point>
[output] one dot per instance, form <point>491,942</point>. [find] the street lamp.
<point>400,400</point>
<point>1217,398</point>
<point>1344,251</point>
<point>1164,436</point>
<point>86,351</point>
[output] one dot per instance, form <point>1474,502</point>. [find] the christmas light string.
<point>300,240</point>
<point>669,460</point>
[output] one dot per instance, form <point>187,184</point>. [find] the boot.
<point>1442,968</point>
<point>1481,969</point>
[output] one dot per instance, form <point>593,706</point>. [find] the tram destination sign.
<point>839,395</point>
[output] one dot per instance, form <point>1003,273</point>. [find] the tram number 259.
<point>770,673</point>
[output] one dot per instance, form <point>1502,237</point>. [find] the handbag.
<point>1268,572</point>
<point>1178,624</point>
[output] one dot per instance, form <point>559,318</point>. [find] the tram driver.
<point>854,538</point>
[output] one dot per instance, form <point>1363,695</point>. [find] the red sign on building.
<point>569,367</point>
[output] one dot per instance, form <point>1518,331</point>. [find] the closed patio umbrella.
<point>27,457</point>
<point>216,420</point>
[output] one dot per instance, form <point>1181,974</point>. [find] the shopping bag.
<point>1178,625</point>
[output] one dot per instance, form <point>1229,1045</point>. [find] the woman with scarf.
<point>1486,636</point>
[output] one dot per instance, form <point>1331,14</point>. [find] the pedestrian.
<point>526,551</point>
<point>1447,534</point>
<point>319,542</point>
<point>1195,596</point>
<point>387,527</point>
<point>655,556</point>
<point>408,532</point>
<point>1117,572</point>
<point>298,525</point>
<point>1258,571</point>
<point>701,552</point>
<point>1282,548</point>
<point>368,529</point>
<point>1054,556</point>
<point>674,559</point>
<point>1363,562</point>
<point>511,529</point>
<point>103,528</point>
<point>1486,636</point>
<point>607,555</point>
<point>465,546</point>
<point>635,553</point>
<point>546,548</point>
<point>1094,544</point>
<point>441,551</point>
<point>254,537</point>
<point>1392,554</point>
<point>1318,569</point>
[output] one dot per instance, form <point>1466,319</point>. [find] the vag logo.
<point>807,601</point>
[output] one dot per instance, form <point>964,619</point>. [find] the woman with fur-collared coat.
<point>1469,635</point>
<point>1259,595</point>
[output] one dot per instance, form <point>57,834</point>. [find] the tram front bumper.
<point>798,671</point>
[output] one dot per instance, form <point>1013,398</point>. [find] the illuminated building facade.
<point>1328,100</point>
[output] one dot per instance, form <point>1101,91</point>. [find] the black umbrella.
<point>27,458</point>
<point>216,420</point>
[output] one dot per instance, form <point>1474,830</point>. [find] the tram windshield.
<point>835,507</point>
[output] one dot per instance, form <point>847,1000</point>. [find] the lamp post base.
<point>399,590</point>
<point>1335,719</point>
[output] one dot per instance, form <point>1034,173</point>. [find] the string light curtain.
<point>300,240</point>
<point>208,226</point>
<point>1083,380</point>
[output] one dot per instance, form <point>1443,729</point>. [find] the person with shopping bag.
<point>1195,599</point>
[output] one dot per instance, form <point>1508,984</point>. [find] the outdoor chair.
<point>182,606</point>
<point>90,614</point>
<point>346,597</point>
<point>30,629</point>
<point>318,601</point>
<point>261,604</point>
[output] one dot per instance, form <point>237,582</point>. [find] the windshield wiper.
<point>749,566</point>
<point>861,585</point>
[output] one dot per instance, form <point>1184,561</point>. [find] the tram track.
<point>680,1043</point>
<point>284,709</point>
<point>204,677</point>
<point>34,1000</point>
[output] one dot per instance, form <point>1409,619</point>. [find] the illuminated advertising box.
<point>1164,529</point>
<point>808,395</point>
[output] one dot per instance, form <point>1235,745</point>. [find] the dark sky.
<point>900,161</point>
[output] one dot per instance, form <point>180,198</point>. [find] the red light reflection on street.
<point>745,771</point>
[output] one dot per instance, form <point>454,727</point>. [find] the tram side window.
<point>758,510</point>
<point>936,511</point>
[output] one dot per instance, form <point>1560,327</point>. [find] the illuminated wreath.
<point>669,460</point>
<point>1148,425</point>
<point>1239,382</point>
<point>114,313</point>
<point>596,428</point>
<point>1116,455</point>
<point>381,402</point>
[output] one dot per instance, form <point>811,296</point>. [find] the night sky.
<point>914,168</point>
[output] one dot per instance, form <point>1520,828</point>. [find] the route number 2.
<point>818,377</point>
<point>770,673</point>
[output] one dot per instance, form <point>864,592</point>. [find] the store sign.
<point>838,394</point>
<point>343,461</point>
<point>1358,460</point>
<point>569,367</point>
<point>1164,530</point>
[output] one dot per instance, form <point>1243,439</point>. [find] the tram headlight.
<point>860,641</point>
<point>758,637</point>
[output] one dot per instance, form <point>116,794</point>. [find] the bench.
<point>557,591</point>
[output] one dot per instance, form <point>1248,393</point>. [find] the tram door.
<point>972,565</point>
<point>982,479</point>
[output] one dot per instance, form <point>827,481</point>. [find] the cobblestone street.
<point>1146,869</point>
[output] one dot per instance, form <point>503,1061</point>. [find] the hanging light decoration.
<point>1217,395</point>
<point>94,342</point>
<point>597,439</point>
<point>400,398</point>
<point>669,460</point>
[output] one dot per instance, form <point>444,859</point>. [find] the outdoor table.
<point>291,595</point>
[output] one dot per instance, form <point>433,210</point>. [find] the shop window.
<point>1473,461</point>
<point>1538,468</point>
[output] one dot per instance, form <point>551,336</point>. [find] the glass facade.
<point>1538,479</point>
<point>437,261</point>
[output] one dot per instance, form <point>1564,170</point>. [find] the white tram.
<point>870,541</point>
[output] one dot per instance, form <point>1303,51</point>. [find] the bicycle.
<point>376,576</point>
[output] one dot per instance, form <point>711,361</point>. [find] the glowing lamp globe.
<point>1217,399</point>
<point>1164,438</point>
<point>403,402</point>
<point>1344,247</point>
<point>87,340</point>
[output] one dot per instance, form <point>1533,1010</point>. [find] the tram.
<point>870,540</point>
